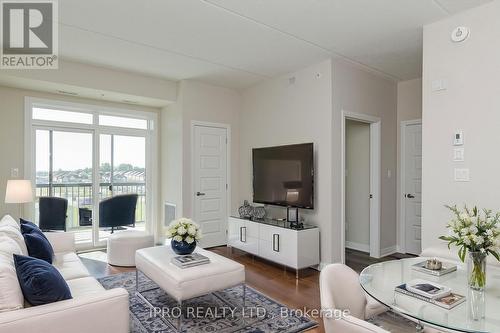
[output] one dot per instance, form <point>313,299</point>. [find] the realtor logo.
<point>28,34</point>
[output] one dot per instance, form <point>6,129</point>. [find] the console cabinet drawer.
<point>292,248</point>
<point>243,235</point>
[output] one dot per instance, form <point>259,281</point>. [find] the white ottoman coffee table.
<point>123,244</point>
<point>183,284</point>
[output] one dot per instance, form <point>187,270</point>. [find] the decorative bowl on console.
<point>245,211</point>
<point>259,212</point>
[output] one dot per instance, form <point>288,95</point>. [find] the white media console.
<point>276,241</point>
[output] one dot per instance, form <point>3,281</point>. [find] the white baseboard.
<point>357,246</point>
<point>322,265</point>
<point>388,251</point>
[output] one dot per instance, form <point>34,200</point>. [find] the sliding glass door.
<point>86,157</point>
<point>122,170</point>
<point>64,169</point>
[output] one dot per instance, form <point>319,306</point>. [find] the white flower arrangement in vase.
<point>476,232</point>
<point>184,234</point>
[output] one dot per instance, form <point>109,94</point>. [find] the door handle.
<point>410,196</point>
<point>276,242</point>
<point>243,239</point>
<point>198,194</point>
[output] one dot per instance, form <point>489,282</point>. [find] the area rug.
<point>212,313</point>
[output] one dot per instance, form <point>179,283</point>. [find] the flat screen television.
<point>284,176</point>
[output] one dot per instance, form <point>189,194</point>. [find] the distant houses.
<point>84,176</point>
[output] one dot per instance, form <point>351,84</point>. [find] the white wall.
<point>278,112</point>
<point>409,100</point>
<point>357,185</point>
<point>356,90</point>
<point>409,108</point>
<point>94,82</point>
<point>471,103</point>
<point>203,103</point>
<point>306,106</point>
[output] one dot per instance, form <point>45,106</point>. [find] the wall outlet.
<point>14,173</point>
<point>439,85</point>
<point>462,175</point>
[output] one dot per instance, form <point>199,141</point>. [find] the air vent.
<point>129,101</point>
<point>64,92</point>
<point>170,213</point>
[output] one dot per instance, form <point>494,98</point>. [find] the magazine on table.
<point>445,269</point>
<point>190,260</point>
<point>449,301</point>
<point>428,289</point>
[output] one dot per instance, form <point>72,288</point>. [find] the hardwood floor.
<point>358,260</point>
<point>279,284</point>
<point>270,279</point>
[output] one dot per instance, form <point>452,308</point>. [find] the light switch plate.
<point>462,175</point>
<point>458,154</point>
<point>458,138</point>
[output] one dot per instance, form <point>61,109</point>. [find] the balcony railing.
<point>80,195</point>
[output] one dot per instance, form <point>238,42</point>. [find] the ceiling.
<point>236,43</point>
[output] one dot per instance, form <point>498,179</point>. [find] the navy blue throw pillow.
<point>40,282</point>
<point>39,247</point>
<point>28,227</point>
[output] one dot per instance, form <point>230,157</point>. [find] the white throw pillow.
<point>11,295</point>
<point>7,220</point>
<point>8,247</point>
<point>15,234</point>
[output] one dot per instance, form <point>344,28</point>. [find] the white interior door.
<point>357,185</point>
<point>413,188</point>
<point>210,183</point>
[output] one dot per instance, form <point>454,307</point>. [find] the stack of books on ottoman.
<point>190,260</point>
<point>431,292</point>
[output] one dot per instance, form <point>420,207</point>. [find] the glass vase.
<point>476,270</point>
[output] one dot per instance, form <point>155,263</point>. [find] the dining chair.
<point>52,213</point>
<point>340,290</point>
<point>117,211</point>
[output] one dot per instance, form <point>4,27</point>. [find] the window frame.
<point>151,135</point>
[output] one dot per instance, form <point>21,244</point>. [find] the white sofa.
<point>92,308</point>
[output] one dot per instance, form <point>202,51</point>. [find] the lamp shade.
<point>18,191</point>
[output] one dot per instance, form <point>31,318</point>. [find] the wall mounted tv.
<point>284,175</point>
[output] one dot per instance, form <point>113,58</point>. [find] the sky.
<point>73,150</point>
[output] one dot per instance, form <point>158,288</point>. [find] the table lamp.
<point>19,191</point>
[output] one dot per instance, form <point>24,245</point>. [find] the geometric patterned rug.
<point>209,313</point>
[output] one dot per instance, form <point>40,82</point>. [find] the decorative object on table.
<point>245,211</point>
<point>449,301</point>
<point>476,304</point>
<point>433,264</point>
<point>190,260</point>
<point>19,191</point>
<point>431,267</point>
<point>258,212</point>
<point>184,234</point>
<point>476,232</point>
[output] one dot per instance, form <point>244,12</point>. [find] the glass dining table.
<point>479,313</point>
